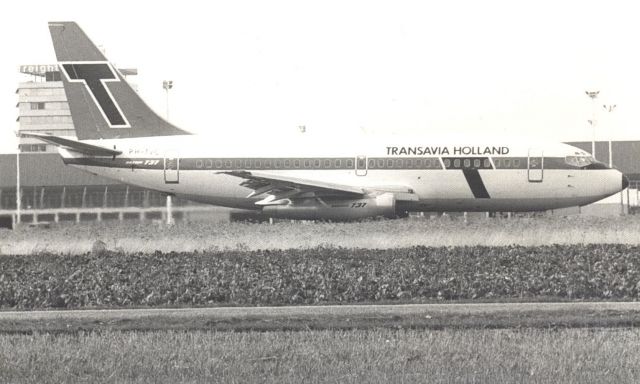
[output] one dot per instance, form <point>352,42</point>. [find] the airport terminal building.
<point>53,192</point>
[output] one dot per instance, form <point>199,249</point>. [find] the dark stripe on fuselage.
<point>475,183</point>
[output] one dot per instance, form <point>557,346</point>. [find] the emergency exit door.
<point>361,165</point>
<point>171,170</point>
<point>535,165</point>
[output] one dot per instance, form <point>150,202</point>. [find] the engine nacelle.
<point>335,209</point>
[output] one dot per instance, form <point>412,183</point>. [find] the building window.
<point>33,147</point>
<point>52,76</point>
<point>37,106</point>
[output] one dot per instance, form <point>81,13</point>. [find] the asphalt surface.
<point>414,316</point>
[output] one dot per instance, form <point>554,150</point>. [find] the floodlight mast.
<point>593,95</point>
<point>167,85</point>
<point>610,108</point>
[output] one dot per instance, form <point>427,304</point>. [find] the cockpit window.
<point>580,161</point>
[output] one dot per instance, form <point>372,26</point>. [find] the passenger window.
<point>476,163</point>
<point>456,163</point>
<point>316,163</point>
<point>267,163</point>
<point>258,164</point>
<point>372,163</point>
<point>327,163</point>
<point>278,164</point>
<point>349,163</point>
<point>296,163</point>
<point>516,163</point>
<point>380,163</point>
<point>507,163</point>
<point>338,163</point>
<point>467,163</point>
<point>408,163</point>
<point>389,163</point>
<point>497,162</point>
<point>419,163</point>
<point>218,164</point>
<point>209,164</point>
<point>487,163</point>
<point>399,163</point>
<point>307,163</point>
<point>447,163</point>
<point>199,163</point>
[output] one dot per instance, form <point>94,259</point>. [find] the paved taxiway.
<point>427,316</point>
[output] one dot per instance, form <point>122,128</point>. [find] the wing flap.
<point>279,187</point>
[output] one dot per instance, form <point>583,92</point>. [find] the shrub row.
<point>319,276</point>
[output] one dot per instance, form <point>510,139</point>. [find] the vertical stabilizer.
<point>103,104</point>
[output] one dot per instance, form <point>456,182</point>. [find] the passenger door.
<point>535,165</point>
<point>171,170</point>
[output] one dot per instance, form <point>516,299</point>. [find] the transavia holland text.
<point>420,151</point>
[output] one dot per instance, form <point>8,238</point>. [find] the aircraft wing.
<point>74,145</point>
<point>278,188</point>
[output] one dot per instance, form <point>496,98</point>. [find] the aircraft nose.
<point>625,182</point>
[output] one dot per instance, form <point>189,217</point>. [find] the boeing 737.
<point>119,137</point>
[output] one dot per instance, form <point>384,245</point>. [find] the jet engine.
<point>335,208</point>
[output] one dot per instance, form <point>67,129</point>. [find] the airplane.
<point>119,137</point>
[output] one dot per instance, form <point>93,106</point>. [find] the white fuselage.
<point>446,176</point>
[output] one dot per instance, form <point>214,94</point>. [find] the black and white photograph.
<point>320,192</point>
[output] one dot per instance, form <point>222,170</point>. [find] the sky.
<point>341,68</point>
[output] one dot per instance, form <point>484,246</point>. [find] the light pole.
<point>18,195</point>
<point>167,85</point>
<point>593,95</point>
<point>610,108</point>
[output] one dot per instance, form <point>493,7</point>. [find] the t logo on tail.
<point>95,75</point>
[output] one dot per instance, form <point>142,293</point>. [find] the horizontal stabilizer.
<point>74,145</point>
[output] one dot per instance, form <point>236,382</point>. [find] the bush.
<point>319,276</point>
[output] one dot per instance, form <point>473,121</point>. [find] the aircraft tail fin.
<point>102,103</point>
